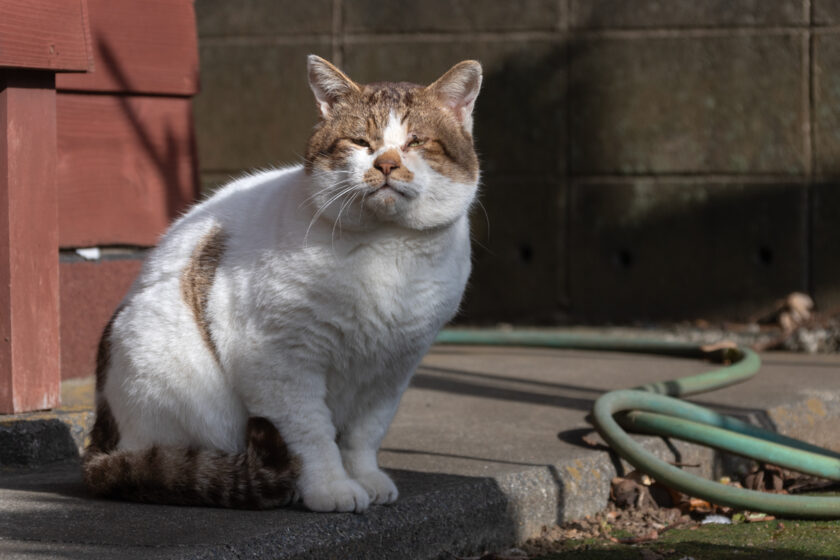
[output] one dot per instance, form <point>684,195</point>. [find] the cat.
<point>262,352</point>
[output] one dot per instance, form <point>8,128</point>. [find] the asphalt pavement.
<point>489,446</point>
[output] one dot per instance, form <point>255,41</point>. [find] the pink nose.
<point>386,163</point>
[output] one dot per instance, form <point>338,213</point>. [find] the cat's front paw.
<point>337,495</point>
<point>380,488</point>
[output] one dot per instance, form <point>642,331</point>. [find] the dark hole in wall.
<point>526,253</point>
<point>623,259</point>
<point>765,255</point>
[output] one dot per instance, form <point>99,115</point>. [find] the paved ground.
<point>486,449</point>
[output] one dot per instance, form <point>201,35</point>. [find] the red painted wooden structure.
<point>103,156</point>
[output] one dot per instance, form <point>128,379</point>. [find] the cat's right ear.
<point>328,83</point>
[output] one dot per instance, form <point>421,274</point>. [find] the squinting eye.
<point>416,142</point>
<point>360,142</point>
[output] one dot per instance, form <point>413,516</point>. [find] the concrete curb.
<point>40,438</point>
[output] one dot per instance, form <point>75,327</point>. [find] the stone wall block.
<point>263,17</point>
<point>451,15</point>
<point>519,252</point>
<point>255,108</point>
<point>600,14</point>
<point>825,235</point>
<point>827,103</point>
<point>708,104</point>
<point>826,12</point>
<point>660,249</point>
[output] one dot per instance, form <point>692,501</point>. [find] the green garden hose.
<point>653,409</point>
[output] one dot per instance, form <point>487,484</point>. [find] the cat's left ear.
<point>458,90</point>
<point>328,83</point>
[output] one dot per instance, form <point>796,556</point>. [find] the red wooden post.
<point>29,329</point>
<point>37,39</point>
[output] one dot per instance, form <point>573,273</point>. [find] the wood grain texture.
<point>29,343</point>
<point>90,292</point>
<point>126,167</point>
<point>45,34</point>
<point>147,46</point>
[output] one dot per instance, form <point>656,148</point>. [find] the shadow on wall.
<point>166,158</point>
<point>565,233</point>
<point>519,226</point>
<point>566,242</point>
<point>662,249</point>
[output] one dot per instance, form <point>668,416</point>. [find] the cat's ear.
<point>458,90</point>
<point>328,83</point>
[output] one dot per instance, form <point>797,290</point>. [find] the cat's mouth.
<point>386,186</point>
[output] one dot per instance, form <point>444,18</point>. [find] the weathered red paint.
<point>90,292</point>
<point>29,335</point>
<point>125,167</point>
<point>45,34</point>
<point>146,46</point>
<point>80,169</point>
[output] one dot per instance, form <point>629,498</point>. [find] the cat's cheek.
<point>359,162</point>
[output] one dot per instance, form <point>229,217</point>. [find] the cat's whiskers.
<point>486,215</point>
<point>342,187</point>
<point>346,204</point>
<point>338,184</point>
<point>362,203</point>
<point>326,205</point>
<point>323,208</point>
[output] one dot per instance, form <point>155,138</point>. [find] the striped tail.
<point>261,477</point>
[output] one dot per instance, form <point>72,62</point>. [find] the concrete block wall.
<point>642,159</point>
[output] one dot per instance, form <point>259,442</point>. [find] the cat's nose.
<point>386,163</point>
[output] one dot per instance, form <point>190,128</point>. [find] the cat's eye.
<point>415,142</point>
<point>360,142</point>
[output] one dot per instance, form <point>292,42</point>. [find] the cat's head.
<point>393,152</point>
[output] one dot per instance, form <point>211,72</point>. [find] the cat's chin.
<point>386,202</point>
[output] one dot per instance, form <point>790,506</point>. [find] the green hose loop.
<point>760,449</point>
<point>745,366</point>
<point>811,507</point>
<point>647,409</point>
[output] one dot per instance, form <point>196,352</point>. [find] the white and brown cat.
<point>263,350</point>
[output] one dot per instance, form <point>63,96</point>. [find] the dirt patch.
<point>643,517</point>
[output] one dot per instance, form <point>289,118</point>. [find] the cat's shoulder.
<point>233,199</point>
<point>252,184</point>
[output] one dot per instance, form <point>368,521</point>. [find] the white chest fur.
<point>360,306</point>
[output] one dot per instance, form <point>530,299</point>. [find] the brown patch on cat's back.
<point>197,280</point>
<point>103,352</point>
<point>105,435</point>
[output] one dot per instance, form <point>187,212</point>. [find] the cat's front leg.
<point>359,443</point>
<point>297,408</point>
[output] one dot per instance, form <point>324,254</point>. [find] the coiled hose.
<point>654,409</point>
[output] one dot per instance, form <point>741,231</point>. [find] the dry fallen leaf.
<point>767,478</point>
